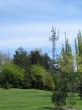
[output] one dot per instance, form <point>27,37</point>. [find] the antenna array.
<point>54,38</point>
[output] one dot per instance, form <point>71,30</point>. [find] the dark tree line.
<point>23,59</point>
<point>27,71</point>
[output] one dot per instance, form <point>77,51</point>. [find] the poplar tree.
<point>66,59</point>
<point>78,52</point>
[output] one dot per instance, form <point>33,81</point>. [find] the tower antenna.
<point>54,38</point>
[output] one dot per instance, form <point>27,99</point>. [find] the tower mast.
<point>54,38</point>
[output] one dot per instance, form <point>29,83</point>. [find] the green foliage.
<point>41,78</point>
<point>46,61</point>
<point>36,57</point>
<point>66,58</point>
<point>13,69</point>
<point>3,59</point>
<point>59,98</point>
<point>24,60</point>
<point>11,75</point>
<point>65,88</point>
<point>21,58</point>
<point>79,89</point>
<point>61,91</point>
<point>78,48</point>
<point>79,40</point>
<point>26,72</point>
<point>70,83</point>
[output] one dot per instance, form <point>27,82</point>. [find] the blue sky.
<point>28,23</point>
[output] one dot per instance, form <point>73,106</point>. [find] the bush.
<point>40,78</point>
<point>11,76</point>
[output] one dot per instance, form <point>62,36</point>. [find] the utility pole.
<point>54,38</point>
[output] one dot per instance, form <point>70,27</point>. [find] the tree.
<point>3,59</point>
<point>76,55</point>
<point>39,78</point>
<point>11,75</point>
<point>21,58</point>
<point>36,57</point>
<point>66,58</point>
<point>78,58</point>
<point>61,91</point>
<point>46,61</point>
<point>78,50</point>
<point>66,80</point>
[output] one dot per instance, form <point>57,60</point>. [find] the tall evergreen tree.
<point>66,60</point>
<point>76,54</point>
<point>35,57</point>
<point>78,51</point>
<point>21,58</point>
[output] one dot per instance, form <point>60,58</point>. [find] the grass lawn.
<point>18,99</point>
<point>30,99</point>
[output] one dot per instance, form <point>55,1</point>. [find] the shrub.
<point>41,78</point>
<point>11,76</point>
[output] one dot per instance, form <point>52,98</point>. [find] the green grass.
<point>30,99</point>
<point>18,99</point>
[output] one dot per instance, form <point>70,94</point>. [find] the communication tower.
<point>54,38</point>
